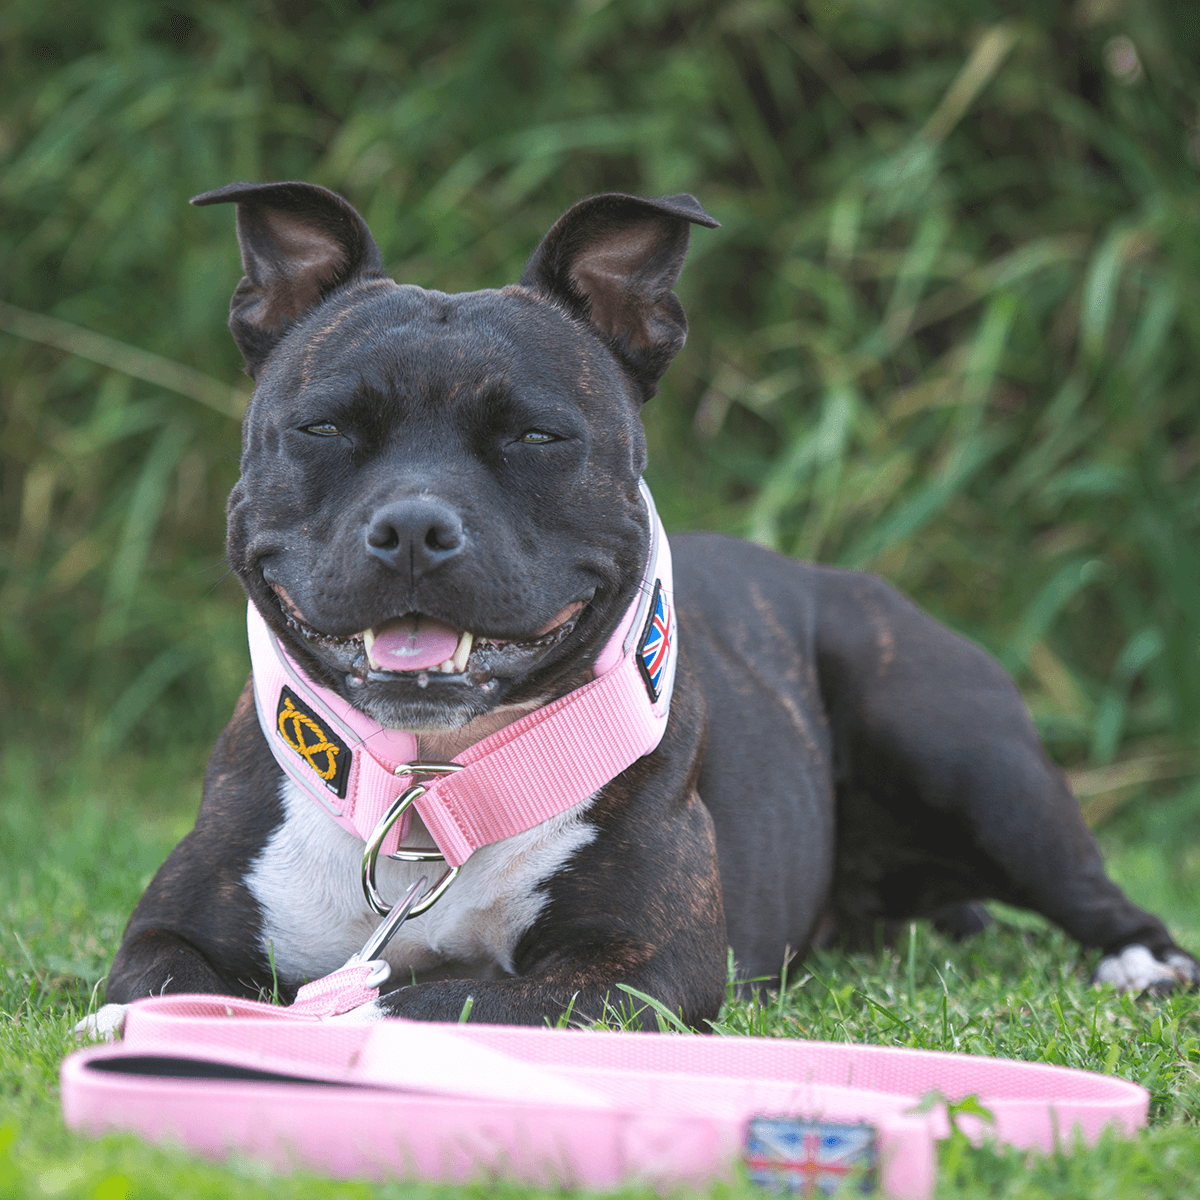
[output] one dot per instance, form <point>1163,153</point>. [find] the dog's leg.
<point>948,794</point>
<point>152,963</point>
<point>197,926</point>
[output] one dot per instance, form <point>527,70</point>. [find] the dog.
<point>442,531</point>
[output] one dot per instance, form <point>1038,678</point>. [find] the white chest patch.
<point>307,882</point>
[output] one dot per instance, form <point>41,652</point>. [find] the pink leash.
<point>561,1108</point>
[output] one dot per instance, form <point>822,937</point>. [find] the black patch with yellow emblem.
<point>312,739</point>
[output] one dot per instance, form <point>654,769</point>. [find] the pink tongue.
<point>413,643</point>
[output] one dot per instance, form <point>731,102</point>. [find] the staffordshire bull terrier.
<point>470,645</point>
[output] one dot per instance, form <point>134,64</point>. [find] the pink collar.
<point>542,765</point>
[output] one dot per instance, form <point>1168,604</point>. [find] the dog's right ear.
<point>613,261</point>
<point>299,243</point>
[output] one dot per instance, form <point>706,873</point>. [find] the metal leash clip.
<point>398,808</point>
<point>381,935</point>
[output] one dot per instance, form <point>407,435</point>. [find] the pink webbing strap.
<point>338,992</point>
<point>522,775</point>
<point>548,1107</point>
<point>308,748</point>
<point>531,770</point>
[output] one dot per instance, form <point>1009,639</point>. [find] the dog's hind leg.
<point>946,794</point>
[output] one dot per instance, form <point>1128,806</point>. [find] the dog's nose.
<point>416,533</point>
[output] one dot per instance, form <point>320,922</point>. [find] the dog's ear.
<point>613,260</point>
<point>299,242</point>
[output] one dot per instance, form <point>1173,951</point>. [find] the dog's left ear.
<point>613,259</point>
<point>299,242</point>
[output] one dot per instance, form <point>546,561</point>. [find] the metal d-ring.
<point>398,808</point>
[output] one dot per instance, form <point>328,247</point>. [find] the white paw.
<point>105,1025</point>
<point>1135,969</point>
<point>362,1015</point>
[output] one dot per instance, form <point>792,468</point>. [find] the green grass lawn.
<point>76,851</point>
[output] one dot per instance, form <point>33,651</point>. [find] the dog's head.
<point>438,509</point>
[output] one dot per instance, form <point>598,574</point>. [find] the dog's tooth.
<point>368,637</point>
<point>462,651</point>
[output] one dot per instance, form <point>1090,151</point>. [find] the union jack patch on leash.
<point>658,641</point>
<point>795,1157</point>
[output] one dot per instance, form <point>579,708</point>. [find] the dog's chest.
<point>314,914</point>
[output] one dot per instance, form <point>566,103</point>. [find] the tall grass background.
<point>949,331</point>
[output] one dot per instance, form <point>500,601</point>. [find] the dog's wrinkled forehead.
<point>405,341</point>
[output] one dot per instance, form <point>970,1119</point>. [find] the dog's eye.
<point>322,429</point>
<point>537,437</point>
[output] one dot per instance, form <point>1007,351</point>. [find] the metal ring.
<point>398,808</point>
<point>419,768</point>
<point>429,768</point>
<point>435,892</point>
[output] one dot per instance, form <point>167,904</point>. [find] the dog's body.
<point>833,759</point>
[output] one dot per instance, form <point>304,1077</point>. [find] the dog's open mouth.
<point>419,647</point>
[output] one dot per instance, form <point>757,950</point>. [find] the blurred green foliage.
<point>948,332</point>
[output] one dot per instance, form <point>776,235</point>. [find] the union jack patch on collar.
<point>658,642</point>
<point>796,1157</point>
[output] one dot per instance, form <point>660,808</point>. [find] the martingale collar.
<point>541,765</point>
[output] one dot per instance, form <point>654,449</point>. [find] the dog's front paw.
<point>104,1025</point>
<point>1135,969</point>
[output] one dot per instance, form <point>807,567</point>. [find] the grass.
<point>77,848</point>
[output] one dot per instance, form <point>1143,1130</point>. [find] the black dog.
<point>456,478</point>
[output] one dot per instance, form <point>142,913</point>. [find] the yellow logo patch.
<point>305,733</point>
